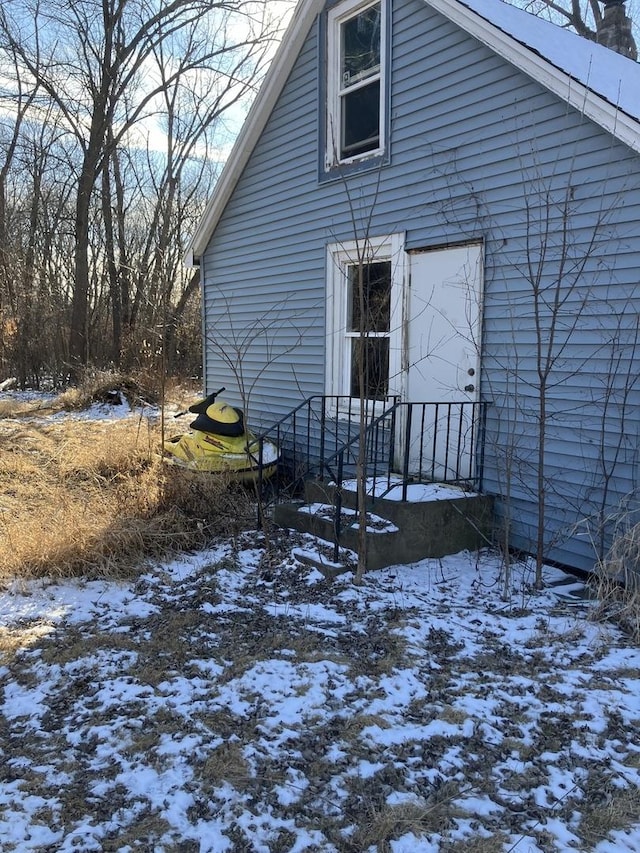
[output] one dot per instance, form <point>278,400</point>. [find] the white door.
<point>442,352</point>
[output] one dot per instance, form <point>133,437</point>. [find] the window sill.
<point>339,171</point>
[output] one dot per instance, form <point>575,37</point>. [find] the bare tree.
<point>100,71</point>
<point>365,309</point>
<point>612,397</point>
<point>19,100</point>
<point>34,291</point>
<point>588,19</point>
<point>560,307</point>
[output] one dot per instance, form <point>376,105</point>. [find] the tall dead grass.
<point>98,386</point>
<point>94,498</point>
<point>619,580</point>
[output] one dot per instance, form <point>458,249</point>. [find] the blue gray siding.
<point>478,150</point>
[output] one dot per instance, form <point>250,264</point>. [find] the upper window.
<point>355,82</point>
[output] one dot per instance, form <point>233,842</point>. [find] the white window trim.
<point>335,18</point>
<point>339,257</point>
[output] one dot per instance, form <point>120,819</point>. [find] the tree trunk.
<point>174,318</point>
<point>78,333</point>
<point>78,344</point>
<point>112,271</point>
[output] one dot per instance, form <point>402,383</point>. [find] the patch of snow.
<point>391,490</point>
<point>375,523</point>
<point>410,843</point>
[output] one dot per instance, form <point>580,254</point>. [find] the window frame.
<point>334,91</point>
<point>341,256</point>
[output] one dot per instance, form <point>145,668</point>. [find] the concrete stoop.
<point>397,531</point>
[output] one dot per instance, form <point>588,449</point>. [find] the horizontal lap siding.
<point>266,266</point>
<point>485,153</point>
<point>473,141</point>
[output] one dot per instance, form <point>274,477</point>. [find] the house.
<point>481,166</point>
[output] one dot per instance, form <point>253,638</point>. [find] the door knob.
<point>469,388</point>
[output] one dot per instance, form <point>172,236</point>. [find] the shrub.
<point>619,579</point>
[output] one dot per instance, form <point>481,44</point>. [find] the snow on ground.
<point>115,410</point>
<point>225,702</point>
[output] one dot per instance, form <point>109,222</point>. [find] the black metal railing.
<point>317,429</point>
<point>404,443</point>
<point>443,442</point>
<point>413,443</point>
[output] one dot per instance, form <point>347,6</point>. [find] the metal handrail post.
<point>337,510</point>
<point>260,482</point>
<point>323,422</point>
<point>392,445</point>
<point>405,461</point>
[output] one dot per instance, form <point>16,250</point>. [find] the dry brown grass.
<point>94,498</point>
<point>619,580</point>
<point>613,809</point>
<point>226,763</point>
<point>491,844</point>
<point>12,408</point>
<point>20,637</point>
<point>105,386</point>
<point>102,387</point>
<point>388,822</point>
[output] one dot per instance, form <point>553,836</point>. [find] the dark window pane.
<point>361,120</point>
<point>375,353</point>
<point>376,292</point>
<point>360,46</point>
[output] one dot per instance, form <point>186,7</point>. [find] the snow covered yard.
<point>220,703</point>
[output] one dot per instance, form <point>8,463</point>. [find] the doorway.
<point>442,356</point>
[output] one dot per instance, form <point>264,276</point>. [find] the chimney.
<point>614,29</point>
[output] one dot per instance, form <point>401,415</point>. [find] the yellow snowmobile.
<point>220,443</point>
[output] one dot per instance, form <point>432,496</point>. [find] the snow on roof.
<point>612,76</point>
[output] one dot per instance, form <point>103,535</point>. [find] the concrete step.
<point>443,521</point>
<point>383,537</point>
<point>320,554</point>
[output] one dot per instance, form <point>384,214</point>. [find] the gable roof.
<point>575,68</point>
<point>595,80</point>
